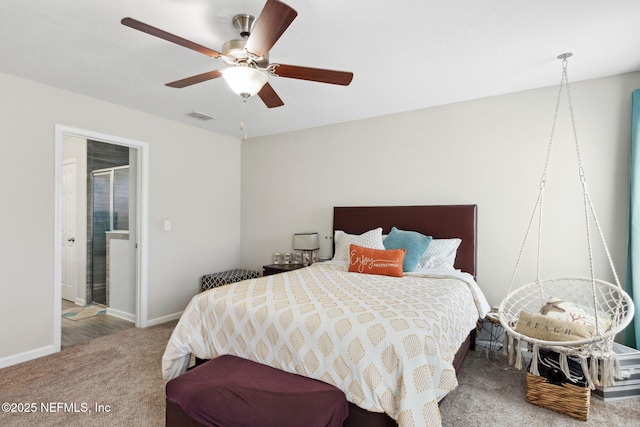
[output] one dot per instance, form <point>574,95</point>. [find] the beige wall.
<point>488,152</point>
<point>194,180</point>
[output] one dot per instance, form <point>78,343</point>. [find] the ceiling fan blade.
<point>209,75</point>
<point>313,74</point>
<point>157,32</point>
<point>269,96</point>
<point>274,19</point>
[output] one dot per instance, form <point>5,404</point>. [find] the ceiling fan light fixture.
<point>248,59</point>
<point>245,81</point>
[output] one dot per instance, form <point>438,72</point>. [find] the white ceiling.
<point>405,54</point>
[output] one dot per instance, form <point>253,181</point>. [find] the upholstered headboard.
<point>441,221</point>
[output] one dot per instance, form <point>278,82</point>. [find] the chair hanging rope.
<point>573,316</point>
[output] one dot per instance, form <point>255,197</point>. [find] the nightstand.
<point>270,269</point>
<point>490,332</point>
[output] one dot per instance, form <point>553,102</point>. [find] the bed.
<point>392,344</point>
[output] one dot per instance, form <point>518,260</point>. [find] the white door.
<point>69,253</point>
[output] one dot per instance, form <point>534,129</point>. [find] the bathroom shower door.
<point>102,195</point>
<point>110,201</point>
<point>120,191</point>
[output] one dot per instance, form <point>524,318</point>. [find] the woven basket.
<point>565,398</point>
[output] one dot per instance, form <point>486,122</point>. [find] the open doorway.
<point>125,237</point>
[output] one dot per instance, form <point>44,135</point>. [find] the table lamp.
<point>308,243</point>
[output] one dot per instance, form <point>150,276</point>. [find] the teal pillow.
<point>415,243</point>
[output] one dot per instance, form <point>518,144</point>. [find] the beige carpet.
<point>123,371</point>
<point>491,393</point>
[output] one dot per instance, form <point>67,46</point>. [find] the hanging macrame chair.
<point>542,313</point>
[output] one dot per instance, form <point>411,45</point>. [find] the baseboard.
<point>47,350</point>
<point>121,314</point>
<point>164,319</point>
<point>26,356</point>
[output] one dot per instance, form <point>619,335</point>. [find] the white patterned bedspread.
<point>387,342</point>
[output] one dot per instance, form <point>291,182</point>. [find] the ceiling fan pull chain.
<point>244,115</point>
<point>244,132</point>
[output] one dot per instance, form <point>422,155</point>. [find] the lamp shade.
<point>245,81</point>
<point>306,241</point>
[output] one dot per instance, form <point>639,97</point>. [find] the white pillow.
<point>570,312</point>
<point>371,239</point>
<point>441,254</point>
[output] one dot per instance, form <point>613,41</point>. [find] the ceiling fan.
<point>247,60</point>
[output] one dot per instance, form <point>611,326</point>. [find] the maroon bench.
<point>230,391</point>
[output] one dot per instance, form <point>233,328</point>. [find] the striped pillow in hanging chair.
<point>548,328</point>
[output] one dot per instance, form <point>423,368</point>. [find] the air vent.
<point>200,116</point>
